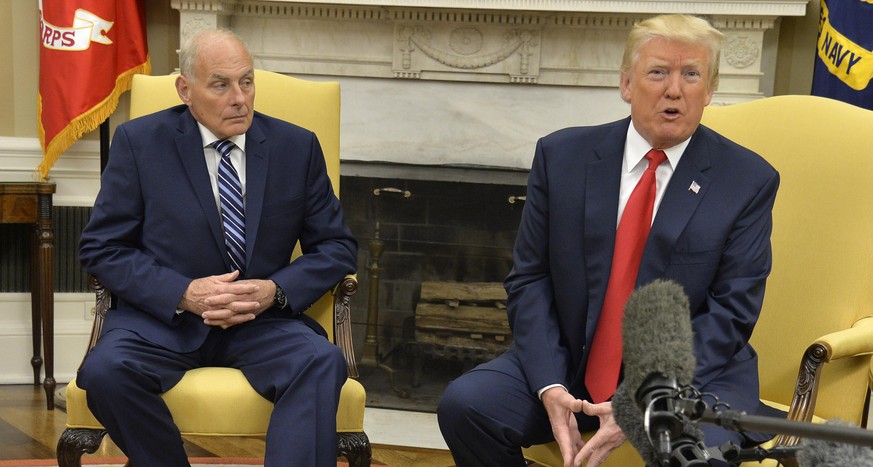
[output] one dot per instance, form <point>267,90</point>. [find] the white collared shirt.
<point>634,164</point>
<point>237,157</point>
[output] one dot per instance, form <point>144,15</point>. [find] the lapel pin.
<point>694,187</point>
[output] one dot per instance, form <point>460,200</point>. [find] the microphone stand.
<point>733,454</point>
<point>688,405</point>
<point>735,420</point>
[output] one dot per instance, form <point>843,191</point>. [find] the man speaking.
<point>610,208</point>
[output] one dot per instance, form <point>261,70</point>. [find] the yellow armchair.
<point>818,307</point>
<point>819,297</point>
<point>243,412</point>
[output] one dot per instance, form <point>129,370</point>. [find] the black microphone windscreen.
<point>820,453</point>
<point>629,418</point>
<point>656,335</point>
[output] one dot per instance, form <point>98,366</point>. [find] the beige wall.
<point>20,30</point>
<point>797,39</point>
<point>19,24</point>
<point>6,118</point>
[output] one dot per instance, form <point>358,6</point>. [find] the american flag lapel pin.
<point>694,187</point>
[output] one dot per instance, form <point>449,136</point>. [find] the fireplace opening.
<point>438,242</point>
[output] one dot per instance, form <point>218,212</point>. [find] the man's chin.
<point>237,128</point>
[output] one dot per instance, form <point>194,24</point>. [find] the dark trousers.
<point>284,360</point>
<point>487,414</point>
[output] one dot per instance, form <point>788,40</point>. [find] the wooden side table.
<point>31,203</point>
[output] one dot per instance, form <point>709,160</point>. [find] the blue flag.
<point>844,56</point>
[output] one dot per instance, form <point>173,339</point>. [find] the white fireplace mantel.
<point>444,65</point>
<point>702,7</point>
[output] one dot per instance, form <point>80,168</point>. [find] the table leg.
<point>45,292</point>
<point>35,307</point>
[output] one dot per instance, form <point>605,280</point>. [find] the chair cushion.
<point>232,407</point>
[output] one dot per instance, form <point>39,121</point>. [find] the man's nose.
<point>237,95</point>
<point>673,89</point>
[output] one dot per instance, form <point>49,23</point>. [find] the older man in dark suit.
<point>193,229</point>
<point>705,224</point>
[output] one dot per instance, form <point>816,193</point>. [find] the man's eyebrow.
<point>221,77</point>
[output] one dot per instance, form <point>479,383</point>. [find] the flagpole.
<point>104,144</point>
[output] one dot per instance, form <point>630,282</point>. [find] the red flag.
<point>89,51</point>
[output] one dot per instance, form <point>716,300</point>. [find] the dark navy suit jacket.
<point>155,225</point>
<point>714,241</point>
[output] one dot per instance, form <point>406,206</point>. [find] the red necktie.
<point>604,361</point>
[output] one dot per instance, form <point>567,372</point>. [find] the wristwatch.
<point>280,300</point>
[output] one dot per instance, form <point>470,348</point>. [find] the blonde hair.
<point>682,28</point>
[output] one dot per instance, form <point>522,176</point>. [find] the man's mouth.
<point>671,113</point>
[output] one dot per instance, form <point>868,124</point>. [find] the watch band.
<point>280,300</point>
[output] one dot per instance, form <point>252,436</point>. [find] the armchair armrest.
<point>343,320</point>
<point>851,342</point>
<point>857,340</point>
<point>104,300</point>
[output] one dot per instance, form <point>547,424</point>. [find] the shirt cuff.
<point>541,391</point>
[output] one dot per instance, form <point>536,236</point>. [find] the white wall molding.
<point>76,173</point>
<point>72,329</point>
<point>700,7</point>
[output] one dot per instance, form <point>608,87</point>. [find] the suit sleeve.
<point>110,245</point>
<point>328,246</point>
<point>733,301</point>
<point>530,290</point>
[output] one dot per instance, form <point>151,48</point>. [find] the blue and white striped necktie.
<point>232,206</point>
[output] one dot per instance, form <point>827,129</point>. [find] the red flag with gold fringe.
<point>89,51</point>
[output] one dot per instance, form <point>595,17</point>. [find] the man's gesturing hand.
<point>607,439</point>
<point>562,407</point>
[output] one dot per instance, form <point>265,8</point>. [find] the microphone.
<point>821,453</point>
<point>630,419</point>
<point>658,357</point>
<point>656,337</point>
<point>662,424</point>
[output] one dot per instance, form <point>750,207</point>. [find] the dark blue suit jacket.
<point>155,225</point>
<point>715,243</point>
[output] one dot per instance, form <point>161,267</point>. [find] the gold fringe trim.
<point>85,123</point>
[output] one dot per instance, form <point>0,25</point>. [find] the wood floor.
<point>29,431</point>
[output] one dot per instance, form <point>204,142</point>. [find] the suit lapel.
<point>257,152</point>
<point>678,205</point>
<point>602,183</point>
<point>190,146</point>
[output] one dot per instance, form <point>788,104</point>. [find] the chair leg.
<point>355,447</point>
<point>75,442</point>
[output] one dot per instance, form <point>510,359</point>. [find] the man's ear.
<point>183,89</point>
<point>625,86</point>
